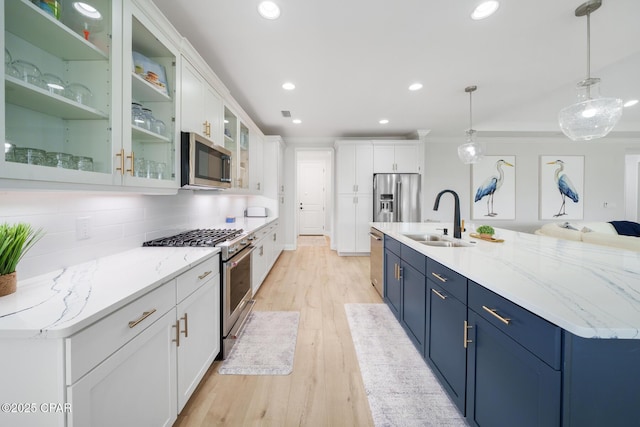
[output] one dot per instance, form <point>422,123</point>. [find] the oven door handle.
<point>234,262</point>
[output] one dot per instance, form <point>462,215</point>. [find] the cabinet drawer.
<point>529,330</point>
<point>392,244</point>
<point>449,280</point>
<point>89,347</point>
<point>188,282</point>
<point>414,258</point>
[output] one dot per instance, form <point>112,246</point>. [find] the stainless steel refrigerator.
<point>396,197</point>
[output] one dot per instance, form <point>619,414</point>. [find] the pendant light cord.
<point>470,111</point>
<point>588,54</point>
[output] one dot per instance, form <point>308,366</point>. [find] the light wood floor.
<point>325,387</point>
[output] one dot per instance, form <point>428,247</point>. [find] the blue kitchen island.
<point>532,331</point>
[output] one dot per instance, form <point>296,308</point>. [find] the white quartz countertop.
<point>60,303</point>
<point>589,290</point>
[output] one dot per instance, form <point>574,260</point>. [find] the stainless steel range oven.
<point>236,289</point>
<point>235,265</point>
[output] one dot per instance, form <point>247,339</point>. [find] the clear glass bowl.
<point>9,151</point>
<point>158,127</point>
<point>60,160</point>
<point>83,163</point>
<point>79,93</point>
<point>148,115</point>
<point>31,156</point>
<point>27,72</point>
<point>137,115</point>
<point>53,83</point>
<point>7,57</point>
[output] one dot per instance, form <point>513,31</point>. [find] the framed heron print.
<point>493,191</point>
<point>561,187</point>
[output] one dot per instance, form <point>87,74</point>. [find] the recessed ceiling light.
<point>87,10</point>
<point>485,9</point>
<point>415,86</point>
<point>269,10</point>
<point>288,86</point>
<point>631,103</point>
<point>383,121</point>
<point>297,121</point>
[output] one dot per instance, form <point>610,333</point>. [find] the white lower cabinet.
<point>134,386</point>
<point>266,252</point>
<point>140,364</point>
<point>199,337</point>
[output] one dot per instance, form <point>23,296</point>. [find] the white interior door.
<point>311,178</point>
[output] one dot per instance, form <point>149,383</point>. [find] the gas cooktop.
<point>199,238</point>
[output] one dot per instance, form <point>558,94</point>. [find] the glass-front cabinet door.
<point>236,139</point>
<point>243,158</point>
<point>231,142</point>
<point>148,155</point>
<point>59,90</point>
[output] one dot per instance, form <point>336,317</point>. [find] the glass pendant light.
<point>592,116</point>
<point>472,151</point>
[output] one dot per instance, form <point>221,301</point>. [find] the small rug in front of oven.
<point>266,345</point>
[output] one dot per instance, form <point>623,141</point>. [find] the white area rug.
<point>266,345</point>
<point>401,388</point>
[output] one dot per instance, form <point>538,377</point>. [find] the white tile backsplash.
<point>117,222</point>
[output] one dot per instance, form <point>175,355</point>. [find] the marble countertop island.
<point>589,290</point>
<point>62,302</point>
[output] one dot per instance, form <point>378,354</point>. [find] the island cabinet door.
<point>445,348</point>
<point>392,282</point>
<point>414,305</point>
<point>507,385</point>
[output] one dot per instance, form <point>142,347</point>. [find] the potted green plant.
<point>485,231</point>
<point>15,241</point>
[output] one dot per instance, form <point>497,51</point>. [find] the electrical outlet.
<point>83,228</point>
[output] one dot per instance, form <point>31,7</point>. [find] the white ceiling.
<point>353,60</point>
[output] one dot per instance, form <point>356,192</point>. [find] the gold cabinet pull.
<point>439,277</point>
<point>204,127</point>
<point>145,314</point>
<point>399,272</point>
<point>205,274</point>
<point>177,340</point>
<point>492,311</point>
<point>133,160</point>
<point>466,333</point>
<point>438,293</point>
<point>186,325</point>
<point>121,155</point>
<point>209,129</point>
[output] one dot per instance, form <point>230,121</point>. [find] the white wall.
<point>604,176</point>
<point>117,222</point>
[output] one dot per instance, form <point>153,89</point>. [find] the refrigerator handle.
<point>398,206</point>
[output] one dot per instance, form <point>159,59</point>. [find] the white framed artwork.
<point>561,187</point>
<point>493,190</point>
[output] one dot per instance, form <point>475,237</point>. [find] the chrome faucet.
<point>457,231</point>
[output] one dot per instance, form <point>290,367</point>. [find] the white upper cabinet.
<point>354,171</point>
<point>148,154</point>
<point>70,82</point>
<point>201,106</point>
<point>59,91</point>
<point>395,157</point>
<point>256,172</point>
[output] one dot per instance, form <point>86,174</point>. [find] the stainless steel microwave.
<point>204,165</point>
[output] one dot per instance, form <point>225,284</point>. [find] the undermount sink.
<point>446,243</point>
<point>438,240</point>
